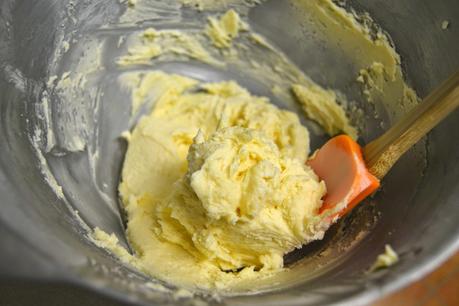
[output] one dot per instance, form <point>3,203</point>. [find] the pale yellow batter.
<point>214,181</point>
<point>215,184</point>
<point>222,31</point>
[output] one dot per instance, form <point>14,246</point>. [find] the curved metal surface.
<point>42,239</point>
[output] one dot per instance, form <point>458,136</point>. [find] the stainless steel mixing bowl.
<point>45,255</point>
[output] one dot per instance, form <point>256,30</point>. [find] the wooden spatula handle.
<point>382,153</point>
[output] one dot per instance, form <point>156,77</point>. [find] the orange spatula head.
<point>340,164</point>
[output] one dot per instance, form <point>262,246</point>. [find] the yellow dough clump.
<point>254,204</point>
<point>215,184</point>
<point>222,31</point>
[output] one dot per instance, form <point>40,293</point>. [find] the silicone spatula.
<point>351,173</point>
